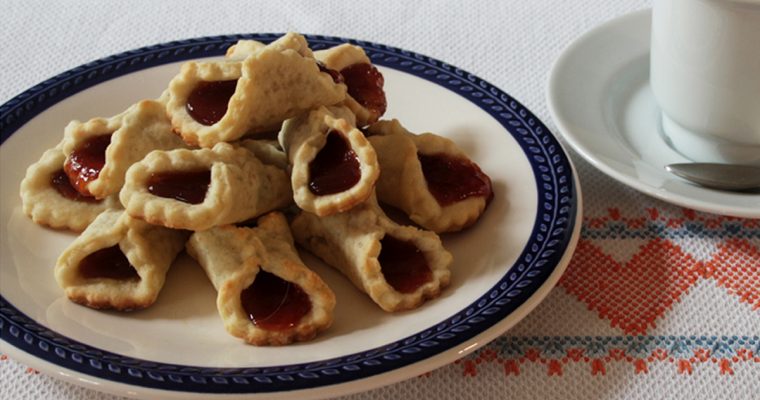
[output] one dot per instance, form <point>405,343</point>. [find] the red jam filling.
<point>335,75</point>
<point>86,161</point>
<point>208,102</point>
<point>188,187</point>
<point>108,263</point>
<point>452,179</point>
<point>273,303</point>
<point>335,168</point>
<point>403,264</point>
<point>365,85</point>
<point>60,182</point>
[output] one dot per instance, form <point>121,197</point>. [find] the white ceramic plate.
<point>600,98</point>
<point>178,347</point>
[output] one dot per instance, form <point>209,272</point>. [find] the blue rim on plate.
<point>549,239</point>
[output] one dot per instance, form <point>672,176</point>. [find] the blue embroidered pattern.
<point>659,229</point>
<point>637,346</point>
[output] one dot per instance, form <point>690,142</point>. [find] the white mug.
<point>705,74</point>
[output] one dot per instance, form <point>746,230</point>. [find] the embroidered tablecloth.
<point>658,302</point>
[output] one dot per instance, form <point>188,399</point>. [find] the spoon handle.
<point>718,176</point>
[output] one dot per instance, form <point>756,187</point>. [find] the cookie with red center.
<point>99,151</point>
<point>364,82</point>
<point>49,199</point>
<point>202,188</point>
<point>266,294</point>
<point>429,177</point>
<point>118,262</point>
<point>334,168</point>
<point>251,92</point>
<point>399,267</point>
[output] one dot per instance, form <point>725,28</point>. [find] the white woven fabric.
<point>511,44</point>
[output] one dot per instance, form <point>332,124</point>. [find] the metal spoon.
<point>731,177</point>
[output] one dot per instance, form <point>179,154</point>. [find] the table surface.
<point>658,302</point>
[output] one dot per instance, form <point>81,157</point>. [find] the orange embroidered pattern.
<point>634,293</point>
<point>668,255</point>
<point>597,353</point>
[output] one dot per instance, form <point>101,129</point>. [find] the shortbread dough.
<point>305,137</point>
<point>47,206</point>
<point>242,49</point>
<point>143,127</point>
<point>403,185</point>
<point>240,187</point>
<point>273,83</point>
<point>351,242</point>
<point>346,55</point>
<point>149,249</point>
<point>268,152</point>
<point>233,257</point>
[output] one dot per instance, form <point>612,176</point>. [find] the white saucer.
<point>600,98</point>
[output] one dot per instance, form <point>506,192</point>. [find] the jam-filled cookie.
<point>48,197</point>
<point>366,97</point>
<point>399,267</point>
<point>198,189</point>
<point>118,262</point>
<point>99,151</point>
<point>266,295</point>
<point>334,167</point>
<point>429,178</point>
<point>221,101</point>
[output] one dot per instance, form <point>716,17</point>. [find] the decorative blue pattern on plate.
<point>551,235</point>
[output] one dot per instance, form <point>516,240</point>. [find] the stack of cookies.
<point>239,160</point>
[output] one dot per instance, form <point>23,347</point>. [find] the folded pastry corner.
<point>266,294</point>
<point>334,167</point>
<point>252,91</point>
<point>204,101</point>
<point>267,151</point>
<point>202,188</point>
<point>118,262</point>
<point>242,49</point>
<point>99,151</point>
<point>399,267</point>
<point>429,178</point>
<point>366,97</point>
<point>289,41</point>
<point>48,198</point>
